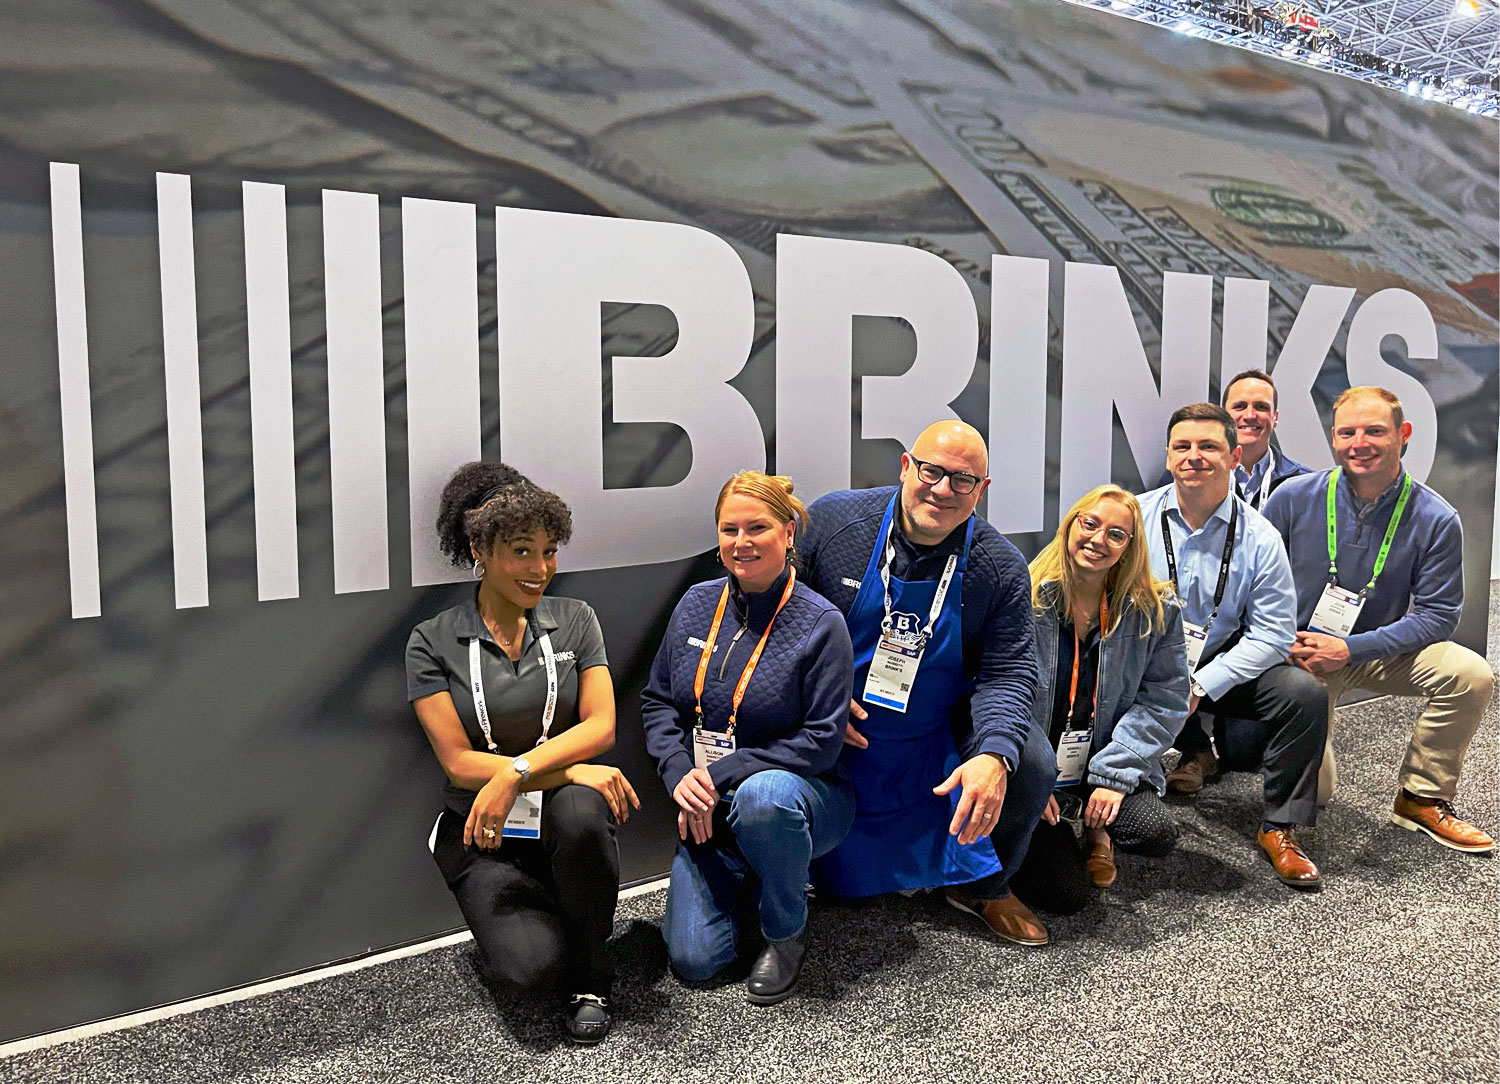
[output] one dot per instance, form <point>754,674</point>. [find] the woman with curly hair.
<point>514,693</point>
<point>1113,694</point>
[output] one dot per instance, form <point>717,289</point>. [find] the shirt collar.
<point>1221,512</point>
<point>1387,495</point>
<point>757,609</point>
<point>468,624</point>
<point>1255,474</point>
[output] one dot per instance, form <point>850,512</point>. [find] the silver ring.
<point>489,833</point>
<point>987,816</point>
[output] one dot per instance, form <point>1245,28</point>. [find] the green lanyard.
<point>1385,544</point>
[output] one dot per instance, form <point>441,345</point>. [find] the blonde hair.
<point>1361,391</point>
<point>1130,577</point>
<point>772,490</point>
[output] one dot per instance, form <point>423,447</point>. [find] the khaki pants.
<point>1456,683</point>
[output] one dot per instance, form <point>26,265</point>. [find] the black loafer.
<point>588,1018</point>
<point>774,976</point>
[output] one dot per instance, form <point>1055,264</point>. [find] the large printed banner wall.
<point>271,269</point>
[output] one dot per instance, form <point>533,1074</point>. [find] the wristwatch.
<point>1198,690</point>
<point>522,767</point>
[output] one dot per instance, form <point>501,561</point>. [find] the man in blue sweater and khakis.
<point>1378,561</point>
<point>949,778</point>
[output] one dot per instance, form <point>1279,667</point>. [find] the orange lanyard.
<point>708,650</point>
<point>1078,652</point>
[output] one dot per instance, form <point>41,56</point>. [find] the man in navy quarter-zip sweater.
<point>949,778</point>
<point>1380,618</point>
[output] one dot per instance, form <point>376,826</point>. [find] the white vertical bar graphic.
<point>179,330</point>
<point>356,391</point>
<point>1018,392</point>
<point>268,309</point>
<point>76,399</point>
<point>440,258</point>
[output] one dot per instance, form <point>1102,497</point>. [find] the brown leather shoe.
<point>1288,859</point>
<point>1435,817</point>
<point>1187,777</point>
<point>1008,918</point>
<point>1101,861</point>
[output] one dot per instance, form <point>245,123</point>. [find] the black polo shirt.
<point>437,661</point>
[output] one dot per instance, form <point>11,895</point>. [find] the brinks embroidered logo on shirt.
<point>565,656</point>
<point>701,644</point>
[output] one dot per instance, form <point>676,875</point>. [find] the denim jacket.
<point>1142,694</point>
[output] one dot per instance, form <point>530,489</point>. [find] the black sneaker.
<point>588,1018</point>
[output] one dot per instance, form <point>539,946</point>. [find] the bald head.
<point>946,450</point>
<point>953,438</point>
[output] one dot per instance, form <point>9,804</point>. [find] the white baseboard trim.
<point>270,986</point>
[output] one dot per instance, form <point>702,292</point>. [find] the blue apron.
<point>900,836</point>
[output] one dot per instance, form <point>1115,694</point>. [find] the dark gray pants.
<point>1275,724</point>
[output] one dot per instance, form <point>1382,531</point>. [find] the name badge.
<point>1073,756</point>
<point>709,746</point>
<point>1196,637</point>
<point>1337,611</point>
<point>524,821</point>
<point>893,671</point>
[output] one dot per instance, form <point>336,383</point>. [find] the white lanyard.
<point>1265,481</point>
<point>476,687</point>
<point>937,599</point>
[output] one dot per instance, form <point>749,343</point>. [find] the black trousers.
<point>1275,724</point>
<point>1053,876</point>
<point>541,911</point>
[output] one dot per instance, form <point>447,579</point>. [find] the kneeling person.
<point>1240,617</point>
<point>1378,561</point>
<point>1113,695</point>
<point>950,776</point>
<point>745,712</point>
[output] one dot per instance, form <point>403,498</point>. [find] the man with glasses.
<point>1378,559</point>
<point>1239,615</point>
<point>949,777</point>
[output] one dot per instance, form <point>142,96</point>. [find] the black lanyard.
<point>1166,538</point>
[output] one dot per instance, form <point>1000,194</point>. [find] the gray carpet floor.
<point>1196,967</point>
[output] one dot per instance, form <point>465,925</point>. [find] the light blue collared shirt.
<point>1259,596</point>
<point>1251,481</point>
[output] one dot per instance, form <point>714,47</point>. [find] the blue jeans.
<point>765,835</point>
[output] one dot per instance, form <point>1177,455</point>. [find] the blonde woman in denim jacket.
<point>1112,696</point>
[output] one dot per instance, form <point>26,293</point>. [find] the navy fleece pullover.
<point>1420,594</point>
<point>796,705</point>
<point>999,635</point>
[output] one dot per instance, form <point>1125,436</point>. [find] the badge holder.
<point>524,821</point>
<point>893,671</point>
<point>710,746</point>
<point>1337,611</point>
<point>1073,756</point>
<point>1196,638</point>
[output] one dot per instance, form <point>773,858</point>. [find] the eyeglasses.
<point>1115,536</point>
<point>961,482</point>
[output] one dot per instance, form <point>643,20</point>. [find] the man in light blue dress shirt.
<point>1239,609</point>
<point>1251,399</point>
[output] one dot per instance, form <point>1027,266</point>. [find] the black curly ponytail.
<point>465,491</point>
